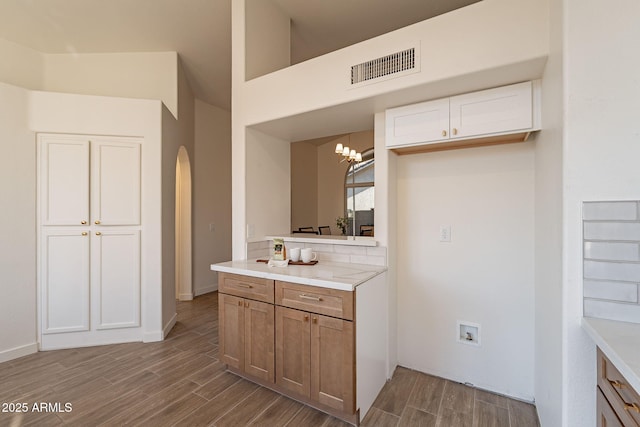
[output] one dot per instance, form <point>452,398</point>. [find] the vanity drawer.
<point>624,400</point>
<point>330,302</point>
<point>249,287</point>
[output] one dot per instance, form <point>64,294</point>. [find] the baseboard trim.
<point>185,297</point>
<point>14,353</point>
<point>205,290</point>
<point>169,325</point>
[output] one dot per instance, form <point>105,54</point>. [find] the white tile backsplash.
<point>610,211</point>
<point>350,254</point>
<point>612,310</point>
<point>612,291</point>
<point>612,251</point>
<point>612,271</point>
<point>611,266</point>
<point>629,231</point>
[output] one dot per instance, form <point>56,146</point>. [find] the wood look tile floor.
<point>181,382</point>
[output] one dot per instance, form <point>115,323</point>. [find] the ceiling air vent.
<point>386,66</point>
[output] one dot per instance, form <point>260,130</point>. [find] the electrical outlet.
<point>212,228</point>
<point>468,333</point>
<point>445,233</point>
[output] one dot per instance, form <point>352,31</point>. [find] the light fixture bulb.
<point>358,157</point>
<point>345,151</point>
<point>352,154</point>
<point>339,148</point>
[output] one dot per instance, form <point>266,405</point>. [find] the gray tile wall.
<point>370,255</point>
<point>611,285</point>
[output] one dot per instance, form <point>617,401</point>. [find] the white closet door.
<point>115,278</point>
<point>115,184</point>
<point>64,180</point>
<point>65,280</point>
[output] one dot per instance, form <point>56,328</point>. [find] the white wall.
<point>175,133</point>
<point>484,36</point>
<point>548,235</point>
<point>152,75</point>
<point>485,275</point>
<point>488,43</point>
<point>20,65</point>
<point>95,115</point>
<point>18,226</point>
<point>267,38</point>
<point>211,194</point>
<point>602,148</point>
<point>268,184</point>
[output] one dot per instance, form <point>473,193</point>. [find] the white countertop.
<point>334,275</point>
<point>620,342</point>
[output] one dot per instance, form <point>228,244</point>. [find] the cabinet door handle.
<point>631,407</point>
<point>239,303</point>
<point>84,233</point>
<point>315,320</point>
<point>444,133</point>
<point>616,384</point>
<point>97,221</point>
<point>246,304</point>
<point>83,222</point>
<point>455,131</point>
<point>242,285</point>
<point>306,317</point>
<point>305,296</point>
<point>98,233</point>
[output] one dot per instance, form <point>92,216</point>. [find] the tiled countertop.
<point>325,274</point>
<point>620,342</point>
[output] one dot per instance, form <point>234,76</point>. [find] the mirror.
<point>323,185</point>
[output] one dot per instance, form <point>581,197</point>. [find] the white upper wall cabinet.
<point>478,118</point>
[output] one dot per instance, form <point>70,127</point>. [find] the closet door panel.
<point>64,280</point>
<point>116,279</point>
<point>115,182</point>
<point>64,180</point>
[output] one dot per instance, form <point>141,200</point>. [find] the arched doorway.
<point>184,283</point>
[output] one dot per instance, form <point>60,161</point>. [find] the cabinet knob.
<point>83,222</point>
<point>455,131</point>
<point>246,304</point>
<point>239,303</point>
<point>616,383</point>
<point>444,133</point>
<point>84,233</point>
<point>97,221</point>
<point>98,233</point>
<point>315,320</point>
<point>306,317</point>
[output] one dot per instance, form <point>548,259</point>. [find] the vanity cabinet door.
<point>293,346</point>
<point>231,327</point>
<point>332,362</point>
<point>606,416</point>
<point>247,335</point>
<point>259,340</point>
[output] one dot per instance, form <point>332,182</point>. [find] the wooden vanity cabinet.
<point>617,403</point>
<point>315,353</point>
<point>246,326</point>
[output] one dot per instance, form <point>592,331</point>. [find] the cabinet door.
<point>332,362</point>
<point>606,416</point>
<point>64,280</point>
<point>417,123</point>
<point>503,109</point>
<point>115,280</point>
<point>293,350</point>
<point>115,186</point>
<point>231,330</point>
<point>64,180</point>
<point>259,340</point>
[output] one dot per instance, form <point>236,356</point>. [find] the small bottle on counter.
<point>279,250</point>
